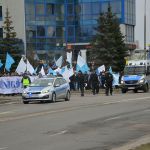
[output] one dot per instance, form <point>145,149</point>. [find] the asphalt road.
<point>85,123</point>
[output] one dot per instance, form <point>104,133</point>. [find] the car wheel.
<point>25,102</point>
<point>145,89</point>
<point>53,97</point>
<point>124,91</point>
<point>135,91</point>
<point>67,96</point>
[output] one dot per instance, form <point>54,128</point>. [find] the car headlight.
<point>44,92</point>
<point>24,92</point>
<point>142,81</point>
<point>122,82</point>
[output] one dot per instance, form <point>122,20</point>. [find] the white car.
<point>47,89</point>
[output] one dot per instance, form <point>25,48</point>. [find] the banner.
<point>10,85</point>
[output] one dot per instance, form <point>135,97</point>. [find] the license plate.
<point>30,95</point>
<point>131,88</point>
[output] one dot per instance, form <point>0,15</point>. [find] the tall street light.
<point>145,26</point>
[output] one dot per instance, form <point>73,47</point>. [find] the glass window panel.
<point>50,8</point>
<point>40,31</point>
<point>51,31</point>
<point>1,33</point>
<point>40,9</point>
<point>31,32</point>
<point>1,13</point>
<point>70,9</point>
<point>86,8</point>
<point>59,31</point>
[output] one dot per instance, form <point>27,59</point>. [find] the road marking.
<point>59,133</point>
<point>6,112</point>
<point>126,100</point>
<point>147,110</point>
<point>3,148</point>
<point>114,118</point>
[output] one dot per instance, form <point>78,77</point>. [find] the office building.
<point>49,27</point>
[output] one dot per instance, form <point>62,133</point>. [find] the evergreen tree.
<point>108,46</point>
<point>10,43</point>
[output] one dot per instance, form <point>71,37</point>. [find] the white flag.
<point>42,71</point>
<point>30,67</point>
<point>67,74</point>
<point>58,70</point>
<point>101,68</point>
<point>59,61</point>
<point>80,61</point>
<point>21,68</point>
<point>69,57</point>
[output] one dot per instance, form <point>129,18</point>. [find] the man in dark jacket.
<point>108,83</point>
<point>94,82</point>
<point>81,82</point>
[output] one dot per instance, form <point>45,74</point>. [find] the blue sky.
<point>139,29</point>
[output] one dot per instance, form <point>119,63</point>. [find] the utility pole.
<point>145,26</point>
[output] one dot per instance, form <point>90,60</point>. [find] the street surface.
<point>96,122</point>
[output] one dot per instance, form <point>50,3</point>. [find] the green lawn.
<point>143,147</point>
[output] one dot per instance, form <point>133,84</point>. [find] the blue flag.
<point>110,70</point>
<point>84,68</point>
<point>9,62</point>
<point>50,71</point>
<point>1,64</point>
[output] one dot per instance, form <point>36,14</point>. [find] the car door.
<point>57,88</point>
<point>64,87</point>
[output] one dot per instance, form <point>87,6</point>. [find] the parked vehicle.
<point>136,76</point>
<point>47,89</point>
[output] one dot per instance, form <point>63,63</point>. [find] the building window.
<point>40,31</point>
<point>1,13</point>
<point>1,33</point>
<point>40,9</point>
<point>50,9</point>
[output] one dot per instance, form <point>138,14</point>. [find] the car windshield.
<point>42,82</point>
<point>134,70</point>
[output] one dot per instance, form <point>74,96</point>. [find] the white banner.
<point>10,85</point>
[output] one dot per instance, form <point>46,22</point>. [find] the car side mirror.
<point>49,84</point>
<point>57,85</point>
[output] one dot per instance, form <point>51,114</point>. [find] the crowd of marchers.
<point>92,81</point>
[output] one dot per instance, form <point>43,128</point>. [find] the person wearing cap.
<point>81,82</point>
<point>108,83</point>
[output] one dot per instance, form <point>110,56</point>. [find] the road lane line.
<point>113,118</point>
<point>6,112</point>
<point>147,110</point>
<point>126,100</point>
<point>3,148</point>
<point>59,133</point>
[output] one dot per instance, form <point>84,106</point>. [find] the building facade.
<point>49,27</point>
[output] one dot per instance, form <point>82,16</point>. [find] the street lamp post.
<point>145,26</point>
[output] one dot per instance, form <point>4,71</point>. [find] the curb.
<point>134,143</point>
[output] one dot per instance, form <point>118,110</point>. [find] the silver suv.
<point>47,89</point>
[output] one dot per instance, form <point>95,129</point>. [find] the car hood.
<point>37,89</point>
<point>132,77</point>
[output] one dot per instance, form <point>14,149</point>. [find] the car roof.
<point>51,77</point>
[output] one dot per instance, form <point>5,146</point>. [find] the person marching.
<point>81,82</point>
<point>94,82</point>
<point>108,83</point>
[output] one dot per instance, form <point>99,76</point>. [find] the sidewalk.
<point>10,99</point>
<point>135,143</point>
